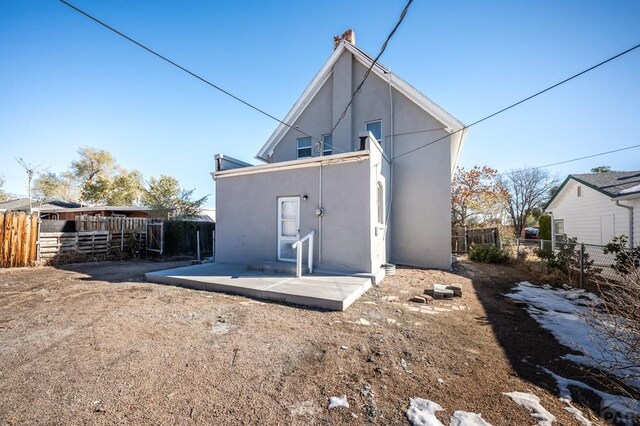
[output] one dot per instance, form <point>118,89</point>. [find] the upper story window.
<point>374,127</point>
<point>579,191</point>
<point>327,144</point>
<point>304,147</point>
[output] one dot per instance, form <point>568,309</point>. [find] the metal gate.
<point>155,237</point>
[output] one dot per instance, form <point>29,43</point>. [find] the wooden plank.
<point>2,215</point>
<point>23,238</point>
<point>33,246</point>
<point>13,254</point>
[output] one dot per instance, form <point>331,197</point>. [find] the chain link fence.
<point>582,262</point>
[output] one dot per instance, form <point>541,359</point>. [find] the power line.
<point>588,156</point>
<point>366,74</point>
<point>523,100</point>
<point>193,74</point>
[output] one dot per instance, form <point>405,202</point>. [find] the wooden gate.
<point>18,239</point>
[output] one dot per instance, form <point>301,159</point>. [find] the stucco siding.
<point>246,228</point>
<point>421,213</point>
<point>314,120</point>
<point>592,218</point>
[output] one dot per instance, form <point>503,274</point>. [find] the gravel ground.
<point>94,343</point>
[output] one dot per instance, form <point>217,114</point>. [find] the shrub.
<point>487,254</point>
<point>566,260</point>
<point>544,224</point>
<point>626,259</point>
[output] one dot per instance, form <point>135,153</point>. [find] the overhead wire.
<point>375,61</point>
<point>522,100</point>
<point>193,74</point>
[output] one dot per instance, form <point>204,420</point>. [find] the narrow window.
<point>579,191</point>
<point>304,147</point>
<point>558,229</point>
<point>327,144</point>
<point>380,203</point>
<point>374,127</point>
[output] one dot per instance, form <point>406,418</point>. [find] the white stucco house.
<point>369,191</point>
<point>596,207</point>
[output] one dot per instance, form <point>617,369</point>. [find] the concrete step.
<point>276,268</point>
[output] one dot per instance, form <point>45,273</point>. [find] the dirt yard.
<point>95,344</point>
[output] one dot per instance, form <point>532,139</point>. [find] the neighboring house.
<point>63,210</point>
<point>370,193</point>
<point>596,207</point>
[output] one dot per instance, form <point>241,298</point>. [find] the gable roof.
<point>22,204</point>
<point>612,185</point>
<point>451,123</point>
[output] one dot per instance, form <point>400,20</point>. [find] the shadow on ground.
<point>120,271</point>
<point>527,345</point>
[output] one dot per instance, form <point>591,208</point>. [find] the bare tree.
<point>616,325</point>
<point>528,189</point>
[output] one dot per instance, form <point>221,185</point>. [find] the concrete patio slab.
<point>324,291</point>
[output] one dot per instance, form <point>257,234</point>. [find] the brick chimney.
<point>348,36</point>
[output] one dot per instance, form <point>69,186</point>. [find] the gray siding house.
<point>369,191</point>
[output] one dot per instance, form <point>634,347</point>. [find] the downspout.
<point>320,214</point>
<point>630,208</point>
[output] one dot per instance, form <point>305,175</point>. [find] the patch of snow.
<point>363,321</point>
<point>577,414</point>
<point>338,401</point>
<point>566,314</point>
<point>532,404</point>
<point>621,408</point>
<point>421,412</point>
<point>631,190</point>
<point>464,418</point>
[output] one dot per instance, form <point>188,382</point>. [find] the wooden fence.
<point>462,238</point>
<point>110,223</point>
<point>96,238</point>
<point>18,239</point>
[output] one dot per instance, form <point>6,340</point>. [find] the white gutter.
<point>294,164</point>
<point>630,209</point>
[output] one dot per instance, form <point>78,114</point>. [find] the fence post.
<point>213,245</point>
<point>581,265</point>
<point>198,243</point>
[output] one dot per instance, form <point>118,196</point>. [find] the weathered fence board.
<point>462,239</point>
<point>18,239</point>
<point>110,223</point>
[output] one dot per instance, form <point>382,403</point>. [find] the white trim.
<point>323,137</point>
<point>281,238</point>
<point>450,122</point>
<point>379,120</point>
<point>295,164</point>
<point>310,147</point>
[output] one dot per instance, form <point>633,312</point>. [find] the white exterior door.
<point>288,227</point>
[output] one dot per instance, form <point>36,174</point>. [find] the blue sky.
<point>66,82</point>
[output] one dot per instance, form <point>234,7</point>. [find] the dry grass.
<point>93,344</point>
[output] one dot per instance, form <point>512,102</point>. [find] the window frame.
<point>379,120</point>
<point>324,152</point>
<point>558,236</point>
<point>304,148</point>
<point>579,190</point>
